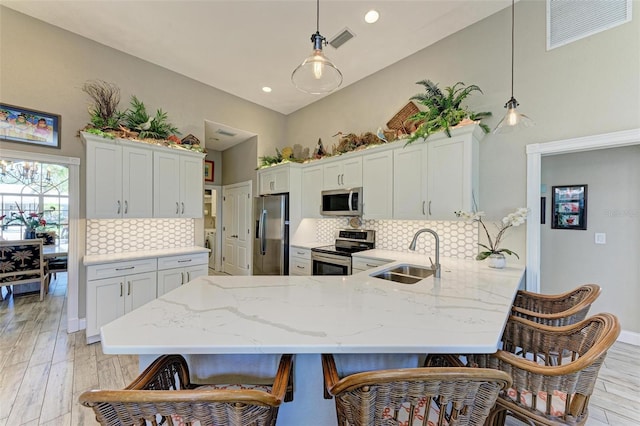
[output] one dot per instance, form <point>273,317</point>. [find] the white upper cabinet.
<point>410,181</point>
<point>311,191</point>
<point>119,180</point>
<point>377,185</point>
<point>274,180</point>
<point>344,173</point>
<point>452,173</point>
<point>178,185</point>
<point>436,177</point>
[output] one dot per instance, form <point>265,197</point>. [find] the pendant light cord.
<point>512,40</point>
<point>318,16</point>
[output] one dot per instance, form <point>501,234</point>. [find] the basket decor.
<point>398,122</point>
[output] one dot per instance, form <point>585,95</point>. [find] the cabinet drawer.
<point>303,253</point>
<point>181,261</point>
<point>364,264</point>
<point>300,266</point>
<point>118,269</point>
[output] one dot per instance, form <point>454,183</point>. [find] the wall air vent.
<point>571,20</point>
<point>342,37</point>
<point>225,133</point>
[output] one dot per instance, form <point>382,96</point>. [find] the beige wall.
<point>588,87</point>
<point>239,164</point>
<point>43,67</point>
<point>571,257</point>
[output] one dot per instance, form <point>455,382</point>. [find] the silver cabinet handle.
<point>118,207</point>
<point>182,212</point>
<point>177,208</point>
<point>128,288</point>
<point>338,179</point>
<point>125,269</point>
<point>423,212</point>
<point>429,207</point>
<point>373,266</point>
<point>126,206</point>
<point>300,267</point>
<point>188,276</point>
<point>120,289</point>
<point>181,278</point>
<point>300,252</point>
<point>185,261</point>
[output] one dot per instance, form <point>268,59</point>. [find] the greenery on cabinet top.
<point>134,123</point>
<point>441,111</point>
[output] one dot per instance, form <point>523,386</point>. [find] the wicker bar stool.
<point>163,394</point>
<point>414,396</point>
<point>544,393</point>
<point>556,309</point>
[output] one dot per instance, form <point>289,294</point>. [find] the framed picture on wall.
<point>208,171</point>
<point>23,125</point>
<point>569,210</point>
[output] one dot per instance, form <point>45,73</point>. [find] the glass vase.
<point>497,261</point>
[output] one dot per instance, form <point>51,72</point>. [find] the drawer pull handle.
<point>369,264</point>
<point>185,261</point>
<point>124,269</point>
<point>300,267</point>
<point>300,252</point>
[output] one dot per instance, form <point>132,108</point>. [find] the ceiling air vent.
<point>225,133</point>
<point>343,37</point>
<point>571,20</point>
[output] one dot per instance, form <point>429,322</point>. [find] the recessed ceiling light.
<point>371,16</point>
<point>266,89</point>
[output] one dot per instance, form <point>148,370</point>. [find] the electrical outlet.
<point>601,238</point>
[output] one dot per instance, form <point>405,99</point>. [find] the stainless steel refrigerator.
<point>271,243</point>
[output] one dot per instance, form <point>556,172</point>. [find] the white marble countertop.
<point>464,311</point>
<point>93,259</point>
<point>309,244</point>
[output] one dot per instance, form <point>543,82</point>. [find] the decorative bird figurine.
<point>145,126</point>
<point>380,135</point>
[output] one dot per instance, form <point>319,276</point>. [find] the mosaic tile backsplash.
<point>458,239</point>
<point>108,236</point>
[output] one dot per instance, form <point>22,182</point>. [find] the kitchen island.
<point>462,312</point>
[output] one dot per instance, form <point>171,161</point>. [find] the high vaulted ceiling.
<point>240,46</point>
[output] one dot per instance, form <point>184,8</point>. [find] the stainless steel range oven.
<point>336,259</point>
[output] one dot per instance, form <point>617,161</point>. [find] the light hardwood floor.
<point>43,369</point>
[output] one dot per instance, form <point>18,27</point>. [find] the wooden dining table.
<point>358,316</point>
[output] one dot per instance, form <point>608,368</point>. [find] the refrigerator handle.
<point>262,232</point>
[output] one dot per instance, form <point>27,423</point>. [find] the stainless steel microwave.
<point>342,202</point>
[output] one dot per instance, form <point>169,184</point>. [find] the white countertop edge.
<point>93,259</point>
<point>309,244</point>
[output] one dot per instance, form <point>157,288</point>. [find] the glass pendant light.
<point>513,120</point>
<point>317,74</point>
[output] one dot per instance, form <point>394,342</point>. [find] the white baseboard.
<point>629,337</point>
<point>76,324</point>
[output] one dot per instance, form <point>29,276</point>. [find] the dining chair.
<point>22,262</point>
<point>549,390</point>
<point>414,396</point>
<point>164,394</point>
<point>556,309</point>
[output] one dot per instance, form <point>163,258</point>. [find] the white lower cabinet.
<point>363,264</point>
<point>115,289</point>
<point>300,261</point>
<point>174,271</point>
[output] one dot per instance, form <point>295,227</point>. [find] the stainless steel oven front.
<point>330,264</point>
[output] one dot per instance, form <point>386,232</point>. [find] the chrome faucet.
<point>412,247</point>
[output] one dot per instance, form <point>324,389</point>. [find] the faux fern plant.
<point>156,127</point>
<point>444,109</point>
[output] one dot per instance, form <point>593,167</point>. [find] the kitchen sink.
<point>405,274</point>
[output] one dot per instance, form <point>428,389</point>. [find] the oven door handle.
<point>262,232</point>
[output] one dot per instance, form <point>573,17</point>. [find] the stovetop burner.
<point>349,241</point>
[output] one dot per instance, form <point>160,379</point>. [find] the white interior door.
<point>236,228</point>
